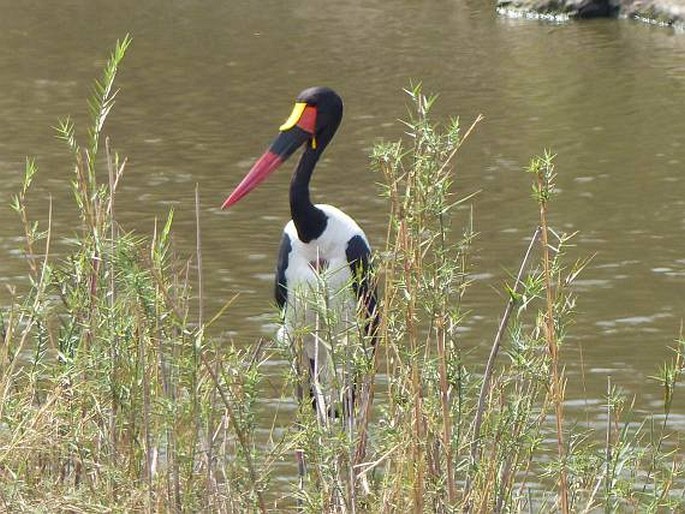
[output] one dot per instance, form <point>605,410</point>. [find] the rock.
<point>665,12</point>
<point>570,8</point>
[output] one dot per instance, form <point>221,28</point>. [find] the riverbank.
<point>669,13</point>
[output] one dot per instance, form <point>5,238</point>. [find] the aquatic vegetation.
<point>114,398</point>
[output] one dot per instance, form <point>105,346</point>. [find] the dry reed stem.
<point>238,431</point>
<point>557,389</point>
<point>489,367</point>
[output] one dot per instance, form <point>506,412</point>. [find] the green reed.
<point>114,399</point>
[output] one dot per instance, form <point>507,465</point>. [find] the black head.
<point>313,121</point>
<point>329,110</point>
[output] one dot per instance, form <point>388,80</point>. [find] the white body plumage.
<point>320,304</point>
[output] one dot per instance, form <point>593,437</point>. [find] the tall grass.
<point>113,398</point>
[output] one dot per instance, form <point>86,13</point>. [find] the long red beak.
<point>279,151</point>
<point>264,167</point>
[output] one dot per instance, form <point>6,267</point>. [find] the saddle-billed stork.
<point>320,241</point>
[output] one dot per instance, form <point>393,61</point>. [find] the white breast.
<point>318,272</point>
<point>324,254</point>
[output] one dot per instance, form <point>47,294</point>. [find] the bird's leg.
<point>316,384</point>
<point>299,392</point>
<point>350,381</point>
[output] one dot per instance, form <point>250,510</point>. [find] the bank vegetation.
<point>113,398</point>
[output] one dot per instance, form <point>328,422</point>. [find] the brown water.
<point>206,84</point>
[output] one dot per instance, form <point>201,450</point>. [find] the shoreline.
<point>664,13</point>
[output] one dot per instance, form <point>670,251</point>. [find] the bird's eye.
<point>302,116</point>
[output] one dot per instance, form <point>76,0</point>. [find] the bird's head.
<point>313,120</point>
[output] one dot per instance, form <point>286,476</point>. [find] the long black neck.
<point>310,221</point>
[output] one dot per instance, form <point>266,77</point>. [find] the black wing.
<point>281,285</point>
<point>358,255</point>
